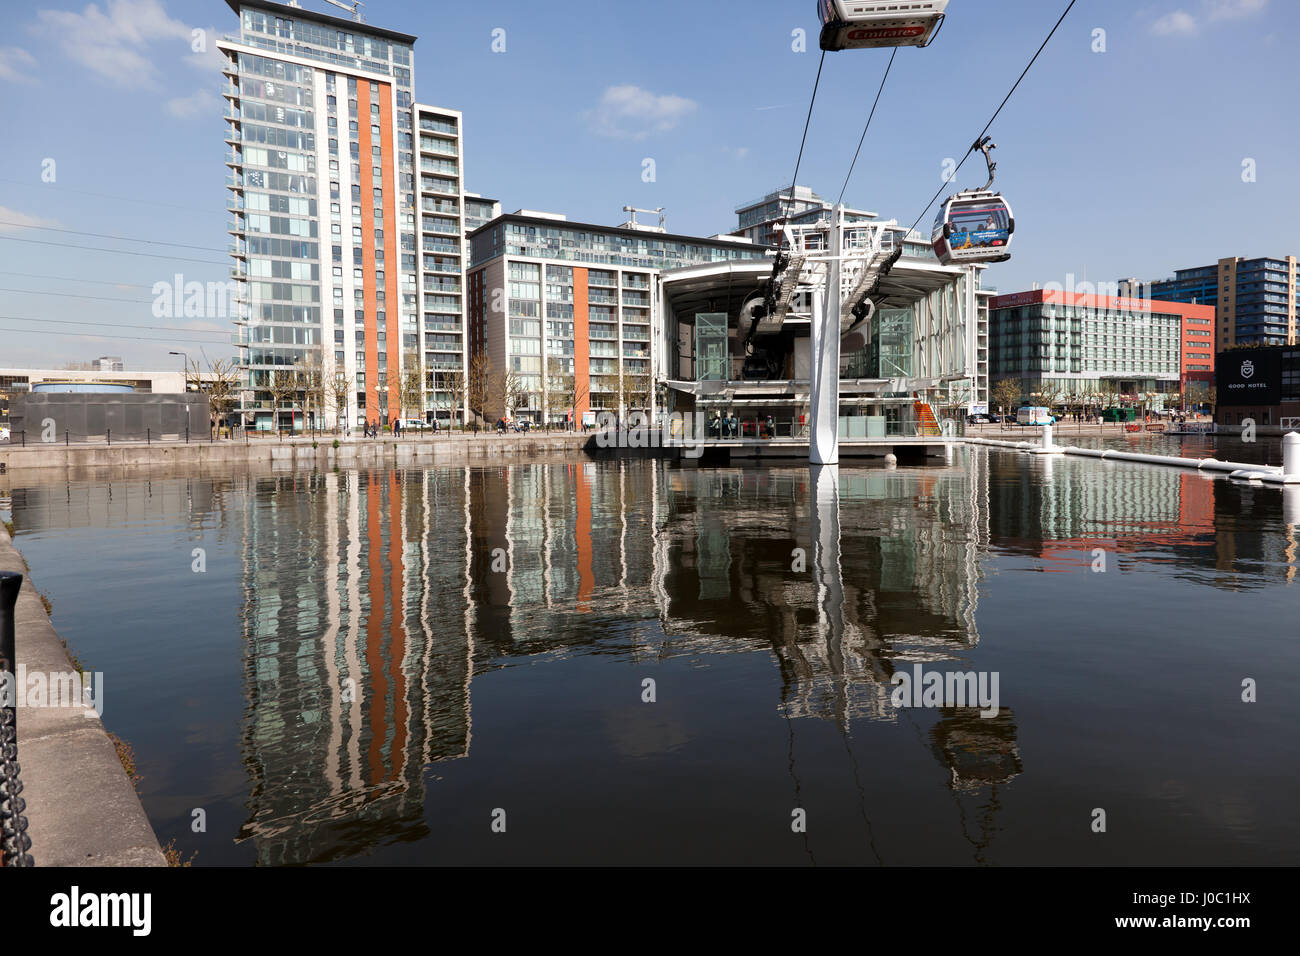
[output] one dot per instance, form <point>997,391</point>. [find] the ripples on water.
<point>375,661</point>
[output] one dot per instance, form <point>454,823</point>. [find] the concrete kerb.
<point>82,809</point>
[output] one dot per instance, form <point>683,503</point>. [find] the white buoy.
<point>1046,447</point>
<point>891,460</point>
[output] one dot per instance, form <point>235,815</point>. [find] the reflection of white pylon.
<point>827,573</point>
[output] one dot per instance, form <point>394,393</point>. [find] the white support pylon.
<point>824,386</point>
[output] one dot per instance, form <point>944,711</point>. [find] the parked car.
<point>4,432</point>
<point>414,424</point>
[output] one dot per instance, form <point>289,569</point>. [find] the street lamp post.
<point>185,369</point>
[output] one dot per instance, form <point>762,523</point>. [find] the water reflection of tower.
<point>557,547</point>
<point>358,656</point>
<point>910,569</point>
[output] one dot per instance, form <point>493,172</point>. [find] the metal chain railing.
<point>14,841</point>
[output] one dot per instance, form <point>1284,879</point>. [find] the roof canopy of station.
<point>724,287</point>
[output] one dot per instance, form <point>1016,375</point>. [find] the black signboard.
<point>1249,377</point>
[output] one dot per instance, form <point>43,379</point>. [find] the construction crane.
<point>352,8</point>
<point>633,210</point>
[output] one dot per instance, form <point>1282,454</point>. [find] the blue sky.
<point>1123,162</point>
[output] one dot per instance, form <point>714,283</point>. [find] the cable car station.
<point>904,367</point>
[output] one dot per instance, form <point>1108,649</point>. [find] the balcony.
<point>437,126</point>
<point>235,182</point>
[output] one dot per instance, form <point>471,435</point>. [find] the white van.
<point>1034,415</point>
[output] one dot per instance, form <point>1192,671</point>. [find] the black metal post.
<point>187,433</point>
<point>148,436</point>
<point>65,438</point>
<point>109,433</point>
<point>14,841</point>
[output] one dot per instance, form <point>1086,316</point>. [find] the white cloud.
<point>11,220</point>
<point>629,112</point>
<point>199,103</point>
<point>1231,9</point>
<point>1178,23</point>
<point>1181,23</point>
<point>119,41</point>
<point>16,64</point>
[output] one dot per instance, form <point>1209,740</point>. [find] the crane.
<point>352,8</point>
<point>651,212</point>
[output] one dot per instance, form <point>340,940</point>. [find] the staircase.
<point>926,424</point>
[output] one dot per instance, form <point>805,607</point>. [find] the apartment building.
<point>562,315</point>
<point>348,222</point>
<point>1255,300</point>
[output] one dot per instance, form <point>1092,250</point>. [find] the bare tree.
<point>338,391</point>
<point>563,386</point>
<point>633,392</point>
<point>1006,394</point>
<point>223,387</point>
<point>311,382</point>
<point>514,389</point>
<point>283,387</point>
<point>1049,393</point>
<point>410,391</point>
<point>450,382</point>
<point>220,383</point>
<point>1107,393</point>
<point>479,384</point>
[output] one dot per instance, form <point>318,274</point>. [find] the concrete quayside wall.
<point>82,808</point>
<point>318,452</point>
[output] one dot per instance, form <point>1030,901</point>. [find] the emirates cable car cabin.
<point>865,24</point>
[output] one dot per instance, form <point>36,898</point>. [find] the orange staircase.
<point>926,423</point>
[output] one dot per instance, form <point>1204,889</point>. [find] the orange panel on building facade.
<point>581,347</point>
<point>392,262</point>
<point>368,251</point>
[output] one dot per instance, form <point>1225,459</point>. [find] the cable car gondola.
<point>975,225</point>
<point>864,24</point>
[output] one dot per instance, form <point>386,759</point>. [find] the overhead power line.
<point>86,192</point>
<point>105,235</point>
<point>103,335</point>
<point>113,325</point>
<point>120,252</point>
<point>33,275</point>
